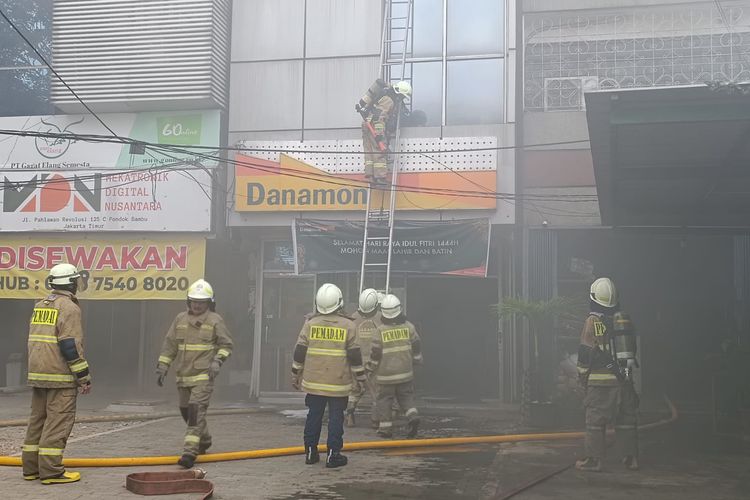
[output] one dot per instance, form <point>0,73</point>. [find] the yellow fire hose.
<point>300,450</point>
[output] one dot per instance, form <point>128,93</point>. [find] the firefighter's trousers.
<point>616,405</point>
<point>404,394</point>
<point>53,412</point>
<point>376,165</point>
<point>193,406</point>
<point>356,396</point>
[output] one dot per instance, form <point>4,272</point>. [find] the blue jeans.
<point>314,423</point>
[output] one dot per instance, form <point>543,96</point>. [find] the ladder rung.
<point>376,264</point>
<point>400,27</point>
<point>396,40</point>
<point>400,18</point>
<point>370,238</point>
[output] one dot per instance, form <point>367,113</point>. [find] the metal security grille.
<point>567,53</point>
<point>134,52</point>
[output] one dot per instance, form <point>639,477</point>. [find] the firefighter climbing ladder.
<point>394,51</point>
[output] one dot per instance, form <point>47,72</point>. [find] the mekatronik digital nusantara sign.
<point>65,183</point>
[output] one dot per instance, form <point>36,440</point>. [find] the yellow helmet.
<point>63,274</point>
<point>603,292</point>
<point>329,299</point>
<point>402,88</point>
<point>368,300</point>
<point>200,290</point>
<point>390,307</point>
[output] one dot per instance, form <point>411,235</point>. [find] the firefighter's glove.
<point>296,382</point>
<point>361,383</point>
<point>161,373</point>
<point>85,388</point>
<point>214,368</point>
<point>369,368</point>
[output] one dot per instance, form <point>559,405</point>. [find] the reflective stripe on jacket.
<point>191,344</point>
<point>55,318</point>
<point>596,335</point>
<point>396,342</point>
<point>326,369</point>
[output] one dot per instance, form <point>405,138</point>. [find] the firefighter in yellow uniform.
<point>605,373</point>
<point>197,344</point>
<point>366,320</point>
<point>325,358</point>
<point>57,371</point>
<point>396,348</point>
<point>378,108</point>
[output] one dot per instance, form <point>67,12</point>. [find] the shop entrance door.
<point>286,300</point>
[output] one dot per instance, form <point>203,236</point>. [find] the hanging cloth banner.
<point>431,247</point>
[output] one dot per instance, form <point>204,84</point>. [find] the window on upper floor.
<point>455,60</point>
<point>568,53</point>
<point>24,80</point>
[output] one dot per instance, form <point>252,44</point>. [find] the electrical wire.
<point>46,63</point>
<point>322,176</point>
<point>126,140</point>
<point>306,175</point>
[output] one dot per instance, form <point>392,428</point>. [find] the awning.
<point>672,156</point>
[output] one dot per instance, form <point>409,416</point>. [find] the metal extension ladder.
<point>396,48</point>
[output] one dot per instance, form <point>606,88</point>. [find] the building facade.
<point>294,89</point>
<point>676,281</point>
<point>135,218</point>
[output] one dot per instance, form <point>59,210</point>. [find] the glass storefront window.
<point>278,256</point>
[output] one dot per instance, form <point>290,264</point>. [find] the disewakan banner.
<point>65,183</point>
<point>455,247</point>
<point>113,268</point>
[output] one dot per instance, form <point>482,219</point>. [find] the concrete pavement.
<point>673,465</point>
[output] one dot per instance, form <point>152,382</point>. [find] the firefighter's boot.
<point>349,418</point>
<point>385,433</point>
<point>311,455</point>
<point>335,459</point>
<point>589,464</point>
<point>203,447</point>
<point>631,462</point>
<point>65,477</point>
<point>186,460</point>
<point>413,428</point>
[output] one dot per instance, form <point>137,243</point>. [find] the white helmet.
<point>603,292</point>
<point>402,88</point>
<point>329,299</point>
<point>200,290</point>
<point>63,274</point>
<point>368,300</point>
<point>390,307</point>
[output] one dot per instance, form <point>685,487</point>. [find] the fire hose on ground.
<point>355,446</point>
